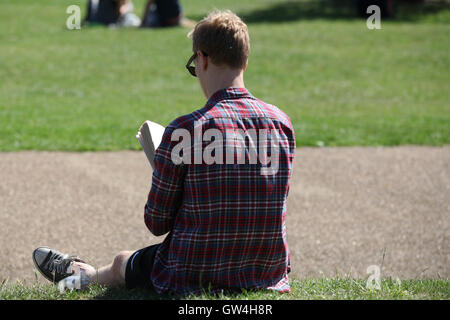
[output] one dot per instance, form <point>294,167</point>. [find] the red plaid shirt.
<point>226,222</point>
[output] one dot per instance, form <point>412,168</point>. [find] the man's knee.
<point>120,263</point>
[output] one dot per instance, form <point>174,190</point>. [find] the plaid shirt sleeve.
<point>166,194</point>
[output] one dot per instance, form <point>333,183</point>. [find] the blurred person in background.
<point>114,13</point>
<point>164,13</point>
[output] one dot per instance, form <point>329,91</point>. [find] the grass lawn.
<point>317,289</point>
<point>340,83</point>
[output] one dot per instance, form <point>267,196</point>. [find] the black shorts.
<point>139,268</point>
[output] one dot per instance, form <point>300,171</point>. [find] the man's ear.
<point>204,60</point>
<point>245,67</point>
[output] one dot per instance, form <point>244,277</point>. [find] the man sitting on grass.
<point>225,218</point>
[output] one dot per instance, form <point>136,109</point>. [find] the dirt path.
<point>346,208</point>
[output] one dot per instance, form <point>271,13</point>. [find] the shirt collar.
<point>229,93</point>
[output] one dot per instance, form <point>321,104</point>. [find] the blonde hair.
<point>224,37</point>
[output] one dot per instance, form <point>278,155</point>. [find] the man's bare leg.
<point>110,275</point>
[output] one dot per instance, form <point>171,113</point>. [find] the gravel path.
<point>347,209</point>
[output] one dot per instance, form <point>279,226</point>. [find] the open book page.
<point>149,136</point>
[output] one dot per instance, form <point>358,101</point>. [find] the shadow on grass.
<point>296,10</point>
<point>120,293</point>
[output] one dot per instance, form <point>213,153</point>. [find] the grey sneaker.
<point>53,264</point>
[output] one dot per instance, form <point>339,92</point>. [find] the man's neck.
<point>224,80</point>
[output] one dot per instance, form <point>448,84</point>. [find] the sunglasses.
<point>190,68</point>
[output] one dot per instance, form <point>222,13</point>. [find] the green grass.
<point>317,289</point>
<point>340,83</point>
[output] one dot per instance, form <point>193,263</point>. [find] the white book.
<point>149,136</point>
